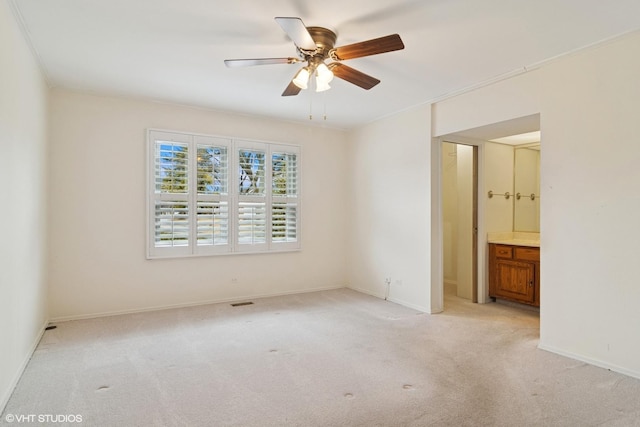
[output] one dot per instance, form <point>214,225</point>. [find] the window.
<point>212,195</point>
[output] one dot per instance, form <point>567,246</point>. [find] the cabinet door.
<point>515,280</point>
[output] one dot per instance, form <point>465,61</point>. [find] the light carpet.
<point>334,358</point>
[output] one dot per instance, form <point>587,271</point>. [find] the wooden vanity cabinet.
<point>514,273</point>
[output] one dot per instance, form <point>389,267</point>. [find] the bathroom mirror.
<point>526,184</point>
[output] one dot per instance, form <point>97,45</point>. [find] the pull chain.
<point>324,101</point>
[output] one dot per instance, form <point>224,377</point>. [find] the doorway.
<point>488,220</point>
<point>459,191</point>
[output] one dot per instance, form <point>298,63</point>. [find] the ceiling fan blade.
<point>291,90</point>
<point>352,75</point>
<point>368,48</point>
<point>297,32</point>
<point>234,63</point>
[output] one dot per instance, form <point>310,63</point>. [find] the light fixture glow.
<point>324,74</point>
<point>302,78</point>
<point>321,86</point>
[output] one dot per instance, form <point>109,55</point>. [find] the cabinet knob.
<point>531,284</point>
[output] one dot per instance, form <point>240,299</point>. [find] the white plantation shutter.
<point>284,220</point>
<point>252,223</point>
<point>213,223</point>
<point>251,215</point>
<point>285,203</point>
<point>212,195</point>
<point>171,224</point>
<point>169,195</point>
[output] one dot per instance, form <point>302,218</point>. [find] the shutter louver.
<point>171,224</point>
<point>213,223</point>
<point>284,220</point>
<point>252,223</point>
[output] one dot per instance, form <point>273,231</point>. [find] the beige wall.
<point>390,217</point>
<point>464,246</point>
<point>450,213</point>
<point>589,213</point>
<point>98,219</point>
<point>591,205</point>
<point>23,211</point>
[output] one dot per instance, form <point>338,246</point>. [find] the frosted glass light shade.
<point>321,86</point>
<point>324,74</point>
<point>302,78</point>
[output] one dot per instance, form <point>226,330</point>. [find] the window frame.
<point>232,197</point>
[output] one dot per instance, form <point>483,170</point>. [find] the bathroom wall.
<point>526,215</point>
<point>498,177</point>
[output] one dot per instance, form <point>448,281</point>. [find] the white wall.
<point>508,99</point>
<point>390,209</point>
<point>589,213</point>
<point>23,211</point>
<point>591,206</point>
<point>98,222</point>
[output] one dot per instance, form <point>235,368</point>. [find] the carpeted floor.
<point>335,358</point>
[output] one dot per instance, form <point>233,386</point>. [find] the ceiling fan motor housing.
<point>325,41</point>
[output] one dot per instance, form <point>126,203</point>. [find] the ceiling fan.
<point>315,45</point>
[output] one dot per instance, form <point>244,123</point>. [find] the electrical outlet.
<point>234,280</point>
<point>398,282</point>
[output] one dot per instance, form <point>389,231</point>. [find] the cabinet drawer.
<point>504,251</point>
<point>528,254</point>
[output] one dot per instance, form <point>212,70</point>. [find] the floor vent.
<point>239,304</point>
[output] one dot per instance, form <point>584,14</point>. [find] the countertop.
<point>516,242</point>
<point>515,238</point>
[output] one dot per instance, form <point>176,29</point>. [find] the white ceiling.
<point>173,50</point>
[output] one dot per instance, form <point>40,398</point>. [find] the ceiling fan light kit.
<point>314,46</point>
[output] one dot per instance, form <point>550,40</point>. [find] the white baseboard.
<point>409,305</point>
<point>366,292</point>
<point>390,299</point>
<point>190,304</point>
<point>4,399</point>
<point>590,361</point>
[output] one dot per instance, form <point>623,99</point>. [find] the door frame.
<point>437,267</point>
